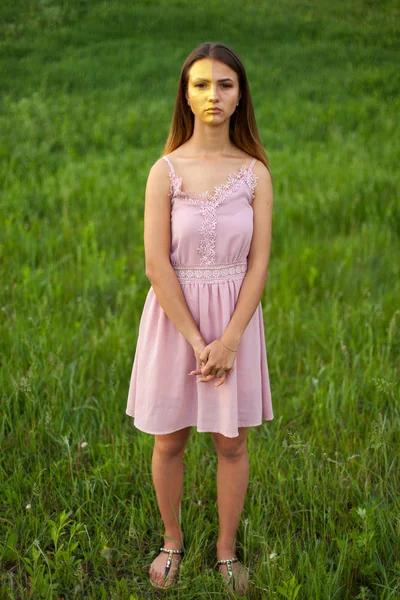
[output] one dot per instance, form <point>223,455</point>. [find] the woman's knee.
<point>231,448</point>
<point>172,444</point>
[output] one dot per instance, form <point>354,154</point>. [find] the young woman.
<point>207,238</point>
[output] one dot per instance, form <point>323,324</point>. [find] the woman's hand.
<point>198,348</point>
<point>215,361</point>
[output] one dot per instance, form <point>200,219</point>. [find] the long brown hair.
<point>243,131</point>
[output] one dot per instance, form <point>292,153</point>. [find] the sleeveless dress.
<point>210,241</point>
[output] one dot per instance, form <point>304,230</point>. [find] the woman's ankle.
<point>173,540</point>
<point>225,550</point>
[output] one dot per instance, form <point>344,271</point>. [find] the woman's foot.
<point>158,566</point>
<point>239,578</point>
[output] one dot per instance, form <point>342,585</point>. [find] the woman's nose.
<point>214,91</point>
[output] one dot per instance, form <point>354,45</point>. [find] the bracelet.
<point>226,346</point>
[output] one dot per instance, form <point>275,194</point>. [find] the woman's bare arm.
<point>257,267</point>
<point>157,236</point>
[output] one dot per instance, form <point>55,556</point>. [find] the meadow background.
<point>87,92</point>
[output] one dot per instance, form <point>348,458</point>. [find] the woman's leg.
<point>232,483</point>
<point>167,470</point>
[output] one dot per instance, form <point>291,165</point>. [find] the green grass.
<point>87,97</point>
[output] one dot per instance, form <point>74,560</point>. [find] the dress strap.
<point>252,163</point>
<point>171,168</point>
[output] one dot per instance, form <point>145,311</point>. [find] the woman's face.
<point>212,84</point>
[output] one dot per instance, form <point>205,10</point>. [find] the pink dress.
<point>210,241</point>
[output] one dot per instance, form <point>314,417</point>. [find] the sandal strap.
<point>173,551</point>
<point>224,562</point>
<point>170,552</point>
<point>228,562</point>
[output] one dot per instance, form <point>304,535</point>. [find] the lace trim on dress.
<point>222,272</point>
<point>209,203</point>
<point>244,175</point>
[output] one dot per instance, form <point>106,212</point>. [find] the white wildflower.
<point>353,456</point>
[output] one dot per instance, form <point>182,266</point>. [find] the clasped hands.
<point>215,361</point>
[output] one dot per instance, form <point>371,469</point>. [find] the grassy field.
<point>87,92</point>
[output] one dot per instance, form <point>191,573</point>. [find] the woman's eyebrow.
<point>219,80</point>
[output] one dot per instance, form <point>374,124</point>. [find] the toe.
<point>242,580</point>
<point>153,578</point>
<point>156,576</point>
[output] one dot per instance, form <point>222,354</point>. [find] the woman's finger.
<point>205,378</point>
<point>195,372</point>
<point>204,355</point>
<point>221,373</point>
<point>221,380</point>
<point>210,371</point>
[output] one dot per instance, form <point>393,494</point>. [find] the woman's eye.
<point>227,85</point>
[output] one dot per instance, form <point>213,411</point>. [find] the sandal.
<point>228,562</point>
<point>172,579</point>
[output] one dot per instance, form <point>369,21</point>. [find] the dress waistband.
<point>211,274</point>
